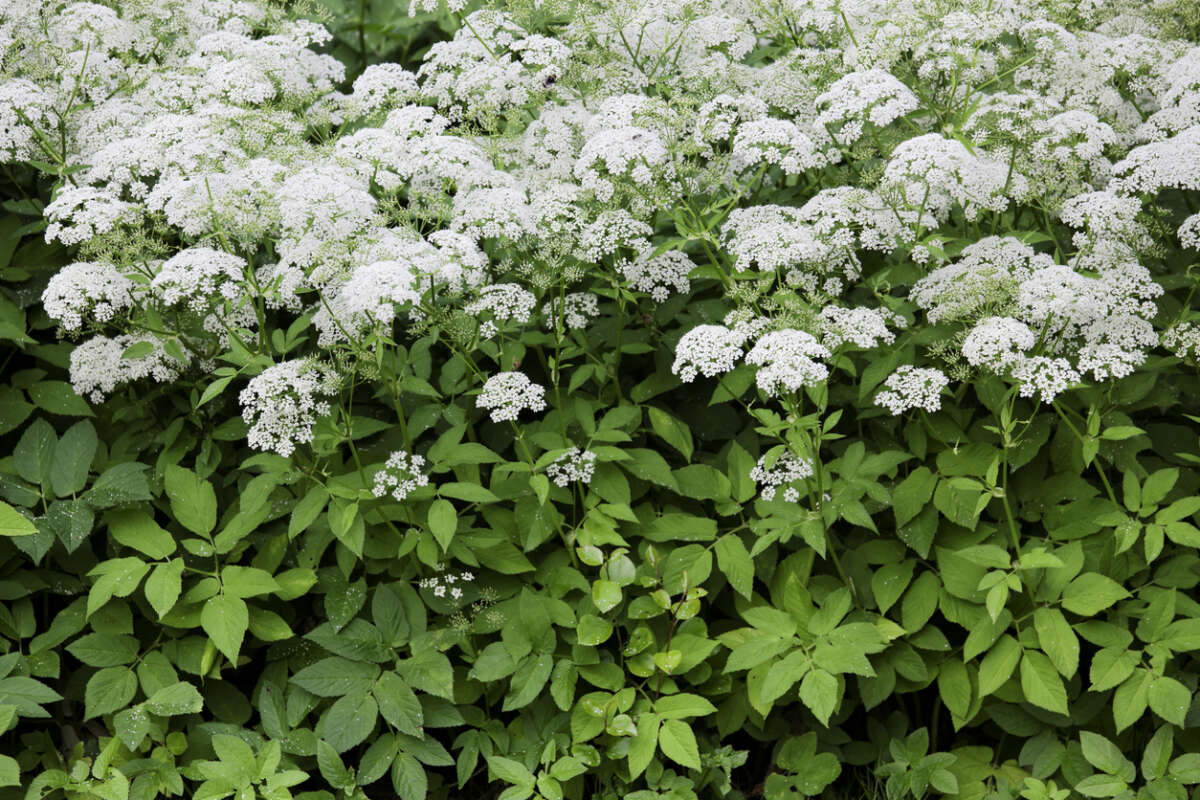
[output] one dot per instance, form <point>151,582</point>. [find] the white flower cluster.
<point>578,310</point>
<point>775,142</point>
<point>282,403</point>
<point>443,584</point>
<point>787,360</point>
<point>785,471</point>
<point>659,275</point>
<point>507,394</point>
<point>216,148</point>
<point>708,350</point>
<point>400,475</point>
<point>865,328</point>
<point>369,299</point>
<point>912,387</point>
<point>86,291</point>
<point>573,466</point>
<point>504,301</point>
<point>932,173</point>
<point>80,213</point>
<point>99,365</point>
<point>870,96</point>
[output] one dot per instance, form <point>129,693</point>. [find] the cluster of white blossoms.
<point>100,364</point>
<point>282,403</point>
<point>871,96</point>
<point>578,309</point>
<point>912,387</point>
<point>447,583</point>
<point>504,302</point>
<point>660,275</point>
<point>788,360</point>
<point>400,475</point>
<point>507,394</point>
<point>87,291</point>
<point>573,466</point>
<point>990,169</point>
<point>708,350</point>
<point>786,470</point>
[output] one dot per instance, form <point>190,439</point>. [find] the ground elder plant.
<point>573,400</point>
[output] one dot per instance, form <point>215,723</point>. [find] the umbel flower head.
<point>507,394</point>
<point>400,476</point>
<point>282,403</point>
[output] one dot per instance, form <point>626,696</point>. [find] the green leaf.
<point>408,778</point>
<point>10,771</point>
<point>35,451</point>
<point>108,690</point>
<point>193,501</point>
<point>1041,684</point>
<point>58,397</point>
<point>1170,699</point>
<point>1157,755</point>
<point>398,704</point>
<point>1111,666</point>
<point>131,725</point>
<point>998,665</point>
<point>954,686</point>
<point>527,682</point>
<point>104,649</point>
<point>1186,768</point>
<point>164,585</point>
<point>510,771</point>
<point>735,564</point>
<point>1131,699</point>
<point>307,510</point>
<point>178,698</point>
<point>913,494</point>
<point>123,483</point>
<point>247,581</point>
<point>1091,593</point>
<point>225,619</point>
<point>336,676</point>
<point>590,631</point>
<point>678,743</point>
<point>819,691</point>
<point>14,523</point>
<point>443,521</point>
<point>1105,756</point>
<point>137,529</point>
<point>889,582</point>
<point>349,721</point>
<point>73,459</point>
<point>1101,786</point>
<point>429,671</point>
<point>643,744</point>
<point>469,492</point>
<point>606,595</point>
<point>1057,639</point>
<point>117,577</point>
<point>671,431</point>
<point>682,706</point>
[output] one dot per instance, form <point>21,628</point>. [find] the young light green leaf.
<point>225,619</point>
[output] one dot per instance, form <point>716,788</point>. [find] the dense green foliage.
<point>995,599</point>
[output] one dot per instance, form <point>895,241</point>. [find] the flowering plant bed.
<point>618,399</point>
